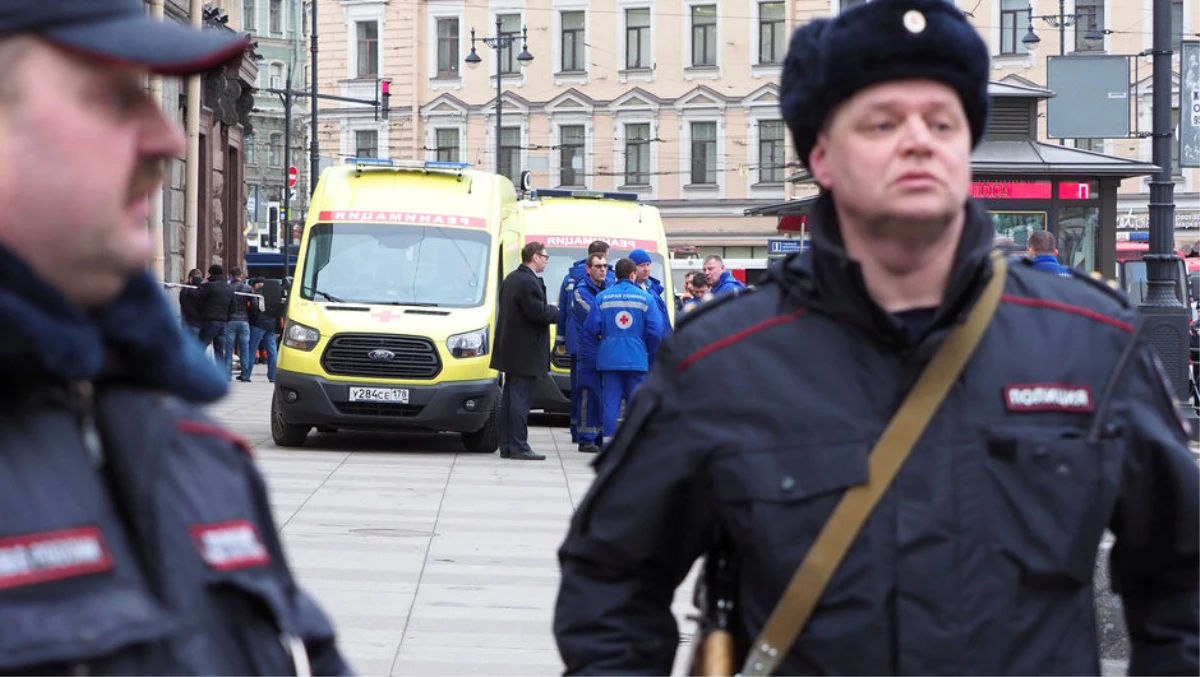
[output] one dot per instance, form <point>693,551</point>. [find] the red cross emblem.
<point>384,316</point>
<point>624,319</point>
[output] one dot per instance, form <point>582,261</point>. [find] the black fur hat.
<point>829,60</point>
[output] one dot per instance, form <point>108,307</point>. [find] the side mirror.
<point>272,292</point>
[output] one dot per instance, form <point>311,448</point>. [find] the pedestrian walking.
<point>237,329</point>
<point>915,447</point>
<point>189,303</point>
<point>135,533</point>
<point>216,302</point>
<point>628,325</point>
<point>522,353</point>
<point>264,325</point>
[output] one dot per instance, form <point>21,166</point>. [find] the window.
<point>1177,27</point>
<point>637,155</point>
<point>1094,145</point>
<point>447,145</point>
<point>704,35</point>
<point>276,76</point>
<point>704,152</point>
<point>275,150</point>
<point>249,15</point>
<point>422,265</point>
<point>771,40</point>
<point>637,38</point>
<point>368,49</point>
<point>770,151</point>
<point>1090,15</point>
<point>510,26</point>
<point>248,142</point>
<point>510,153</point>
<point>447,48</point>
<point>572,41</point>
<point>570,153</point>
<point>1014,21</point>
<point>276,16</point>
<point>848,4</point>
<point>366,143</point>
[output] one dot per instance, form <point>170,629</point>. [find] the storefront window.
<point>1014,226</point>
<point>1078,228</point>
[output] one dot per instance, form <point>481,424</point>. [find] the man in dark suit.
<point>522,348</point>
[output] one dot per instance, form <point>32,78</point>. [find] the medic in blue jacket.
<point>586,388</point>
<point>652,286</point>
<point>564,336</point>
<point>627,322</point>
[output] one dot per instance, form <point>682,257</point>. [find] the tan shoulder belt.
<point>890,451</point>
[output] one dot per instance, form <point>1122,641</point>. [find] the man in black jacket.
<point>216,303</point>
<point>978,557</point>
<point>523,322</point>
<point>136,534</point>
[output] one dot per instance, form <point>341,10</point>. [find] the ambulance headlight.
<point>470,344</point>
<point>300,337</point>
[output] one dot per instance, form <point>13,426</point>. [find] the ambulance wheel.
<point>486,439</point>
<point>283,433</point>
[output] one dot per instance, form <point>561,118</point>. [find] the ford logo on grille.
<point>381,355</point>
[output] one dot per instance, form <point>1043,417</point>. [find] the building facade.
<point>676,100</point>
<point>226,98</point>
<point>280,31</point>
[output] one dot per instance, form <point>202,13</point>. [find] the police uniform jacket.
<point>979,557</point>
<point>626,321</point>
<point>136,534</point>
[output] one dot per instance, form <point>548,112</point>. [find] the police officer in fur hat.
<point>977,557</point>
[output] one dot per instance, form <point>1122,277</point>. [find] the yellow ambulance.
<point>567,221</point>
<point>391,315</point>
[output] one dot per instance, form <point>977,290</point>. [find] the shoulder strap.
<point>888,455</point>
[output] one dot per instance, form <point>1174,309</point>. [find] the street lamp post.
<point>498,42</point>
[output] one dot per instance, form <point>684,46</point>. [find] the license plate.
<point>379,395</point>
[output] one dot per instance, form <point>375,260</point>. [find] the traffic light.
<point>385,97</point>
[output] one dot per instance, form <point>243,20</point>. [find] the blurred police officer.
<point>135,533</point>
<point>629,327</point>
<point>978,559</point>
<point>587,391</point>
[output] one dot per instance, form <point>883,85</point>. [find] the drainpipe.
<point>156,198</point>
<point>191,202</point>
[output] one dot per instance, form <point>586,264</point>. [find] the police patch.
<point>230,545</point>
<point>1048,397</point>
<point>52,555</point>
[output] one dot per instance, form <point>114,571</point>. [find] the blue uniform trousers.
<point>574,399</point>
<point>618,388</point>
<point>588,397</point>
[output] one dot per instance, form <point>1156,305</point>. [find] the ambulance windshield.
<point>393,264</point>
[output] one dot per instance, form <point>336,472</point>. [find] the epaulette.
<point>706,304</point>
<point>1109,286</point>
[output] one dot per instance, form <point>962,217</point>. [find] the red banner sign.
<point>1030,190</point>
<point>414,218</point>
<point>582,242</point>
